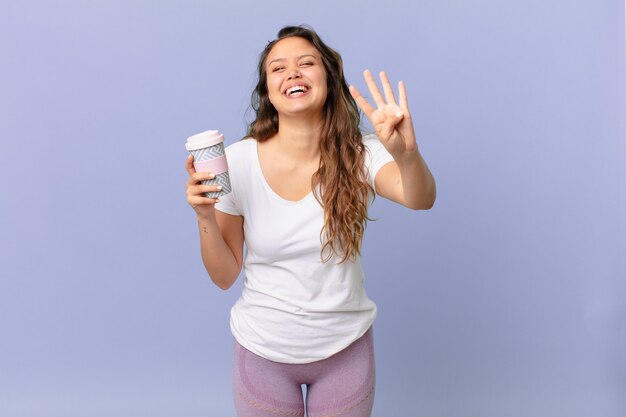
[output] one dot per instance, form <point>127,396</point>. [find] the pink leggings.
<point>339,386</point>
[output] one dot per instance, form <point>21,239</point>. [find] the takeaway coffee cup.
<point>207,149</point>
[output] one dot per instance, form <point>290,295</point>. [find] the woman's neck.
<point>299,139</point>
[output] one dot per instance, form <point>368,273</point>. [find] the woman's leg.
<point>344,387</point>
<point>262,388</point>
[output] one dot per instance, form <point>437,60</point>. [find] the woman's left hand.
<point>392,121</point>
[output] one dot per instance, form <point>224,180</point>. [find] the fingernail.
<point>211,176</point>
<point>219,188</point>
<point>189,157</point>
<point>399,114</point>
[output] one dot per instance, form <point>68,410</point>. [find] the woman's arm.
<point>221,246</point>
<point>221,234</point>
<point>407,180</point>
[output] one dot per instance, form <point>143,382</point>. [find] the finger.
<point>361,101</point>
<point>196,177</point>
<point>196,200</point>
<point>200,190</point>
<point>389,96</point>
<point>404,102</point>
<point>189,165</point>
<point>374,91</point>
<point>210,188</point>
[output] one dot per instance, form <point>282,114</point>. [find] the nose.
<point>294,73</point>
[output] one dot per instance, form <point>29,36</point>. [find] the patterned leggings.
<point>339,386</point>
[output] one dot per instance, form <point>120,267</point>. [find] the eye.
<point>278,69</point>
<point>307,63</point>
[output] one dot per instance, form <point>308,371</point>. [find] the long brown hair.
<point>341,174</point>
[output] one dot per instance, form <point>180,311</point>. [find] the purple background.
<point>506,299</point>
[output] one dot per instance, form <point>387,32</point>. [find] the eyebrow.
<point>284,59</point>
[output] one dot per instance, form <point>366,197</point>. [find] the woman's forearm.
<point>418,183</point>
<point>218,258</point>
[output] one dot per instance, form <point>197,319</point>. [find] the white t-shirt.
<point>293,308</point>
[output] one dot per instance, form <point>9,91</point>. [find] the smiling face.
<point>296,79</point>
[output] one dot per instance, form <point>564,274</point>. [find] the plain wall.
<point>506,299</point>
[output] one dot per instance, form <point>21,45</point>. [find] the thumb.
<point>189,164</point>
<point>385,129</point>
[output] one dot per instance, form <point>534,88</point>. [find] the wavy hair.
<point>344,189</point>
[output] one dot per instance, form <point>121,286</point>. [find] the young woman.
<point>302,181</point>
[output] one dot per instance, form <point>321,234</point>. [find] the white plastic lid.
<point>204,140</point>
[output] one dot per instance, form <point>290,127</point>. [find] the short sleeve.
<point>227,204</point>
<point>377,156</point>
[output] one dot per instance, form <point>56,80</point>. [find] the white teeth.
<point>296,88</point>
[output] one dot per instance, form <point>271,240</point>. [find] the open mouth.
<point>296,90</point>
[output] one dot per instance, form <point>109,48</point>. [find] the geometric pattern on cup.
<point>222,179</point>
<point>211,152</point>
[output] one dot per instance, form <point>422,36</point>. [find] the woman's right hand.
<point>203,206</point>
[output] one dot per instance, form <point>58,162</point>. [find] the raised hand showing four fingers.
<point>391,120</point>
